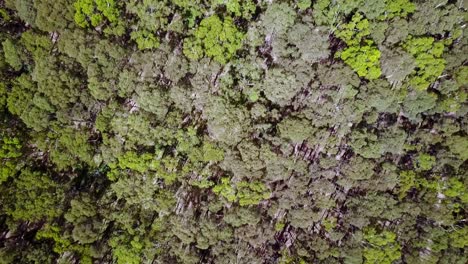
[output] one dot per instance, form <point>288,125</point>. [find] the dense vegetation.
<point>233,131</point>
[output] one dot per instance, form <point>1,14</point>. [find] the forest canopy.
<point>233,131</point>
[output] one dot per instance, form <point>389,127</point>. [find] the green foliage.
<point>425,161</point>
<point>5,16</point>
<point>10,151</point>
<point>12,57</point>
<point>304,4</point>
<point>40,197</point>
<point>95,10</point>
<point>53,232</point>
<point>430,65</point>
<point>246,193</point>
<point>458,145</point>
<point>145,39</point>
<point>387,9</point>
<point>214,38</point>
<point>278,18</point>
<point>3,95</point>
<point>362,55</point>
<point>280,86</point>
<point>71,145</point>
<point>398,8</point>
<point>382,247</point>
<point>211,153</point>
<point>126,250</point>
<point>328,12</point>
<point>407,181</point>
<point>237,8</point>
<point>193,131</point>
<point>454,188</point>
<point>353,32</point>
<point>26,10</point>
<point>459,237</point>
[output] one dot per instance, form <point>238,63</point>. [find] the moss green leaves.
<point>214,38</point>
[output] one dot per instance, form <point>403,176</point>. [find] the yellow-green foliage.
<point>96,12</point>
<point>397,8</point>
<point>381,247</point>
<point>425,161</point>
<point>361,54</point>
<point>10,150</point>
<point>38,197</point>
<point>214,38</point>
<point>459,237</point>
<point>246,193</point>
<point>429,61</point>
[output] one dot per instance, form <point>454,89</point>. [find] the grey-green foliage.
<point>153,101</point>
<point>435,17</point>
<point>280,86</point>
<point>296,130</point>
<point>226,123</point>
<point>358,168</point>
<point>278,18</point>
<point>241,216</point>
<point>396,65</point>
<point>133,128</point>
<point>54,15</point>
<point>88,226</point>
<point>282,153</point>
<point>397,31</point>
<point>371,145</point>
<point>337,74</point>
<point>417,102</point>
<point>26,10</point>
<point>311,42</point>
<point>380,96</point>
